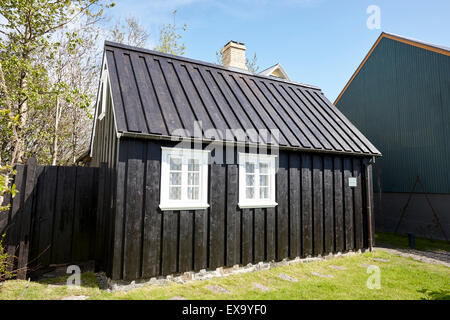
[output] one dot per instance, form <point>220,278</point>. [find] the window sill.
<point>183,206</point>
<point>257,205</point>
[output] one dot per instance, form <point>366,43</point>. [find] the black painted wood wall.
<point>317,213</point>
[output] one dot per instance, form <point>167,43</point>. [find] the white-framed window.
<point>184,179</point>
<point>257,180</point>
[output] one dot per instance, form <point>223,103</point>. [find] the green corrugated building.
<point>399,97</point>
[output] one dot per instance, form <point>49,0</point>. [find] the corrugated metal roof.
<point>159,94</point>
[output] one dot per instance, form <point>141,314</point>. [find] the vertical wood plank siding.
<point>233,254</point>
<point>317,213</point>
<point>306,194</point>
<point>295,242</point>
<point>217,212</point>
<point>152,217</point>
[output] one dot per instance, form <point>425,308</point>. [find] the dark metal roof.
<point>156,94</point>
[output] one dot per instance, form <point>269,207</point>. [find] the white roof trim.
<point>105,69</point>
<point>269,71</point>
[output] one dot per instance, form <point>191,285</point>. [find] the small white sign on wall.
<point>352,182</point>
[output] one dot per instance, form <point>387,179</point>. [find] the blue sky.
<point>319,42</point>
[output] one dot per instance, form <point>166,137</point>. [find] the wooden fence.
<point>52,219</point>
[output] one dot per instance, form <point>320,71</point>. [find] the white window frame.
<point>256,159</point>
<point>104,87</point>
<point>184,203</point>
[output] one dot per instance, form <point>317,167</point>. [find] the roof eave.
<point>147,136</point>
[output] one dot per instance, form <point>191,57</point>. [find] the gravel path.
<point>434,257</point>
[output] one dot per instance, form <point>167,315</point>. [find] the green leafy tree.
<point>130,32</point>
<point>28,30</point>
<point>170,37</point>
<point>29,89</point>
<point>73,75</point>
<point>6,188</point>
<point>252,64</point>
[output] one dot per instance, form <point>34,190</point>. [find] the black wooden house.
<point>194,182</point>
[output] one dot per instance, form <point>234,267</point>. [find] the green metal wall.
<point>400,100</point>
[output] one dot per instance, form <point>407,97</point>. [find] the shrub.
<point>6,174</point>
<point>5,188</point>
<point>6,270</point>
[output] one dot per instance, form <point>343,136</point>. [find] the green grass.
<point>401,241</point>
<point>401,278</point>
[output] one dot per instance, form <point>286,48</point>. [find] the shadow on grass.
<point>435,295</point>
<point>401,241</point>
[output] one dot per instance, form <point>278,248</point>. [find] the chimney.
<point>233,55</point>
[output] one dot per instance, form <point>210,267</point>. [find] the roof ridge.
<point>204,63</point>
<point>417,41</point>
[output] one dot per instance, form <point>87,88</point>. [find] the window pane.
<point>250,193</point>
<point>175,193</point>
<point>175,164</point>
<point>193,179</point>
<point>193,193</point>
<point>193,165</point>
<point>263,167</point>
<point>264,192</point>
<point>250,180</point>
<point>249,167</point>
<point>264,180</point>
<point>175,178</point>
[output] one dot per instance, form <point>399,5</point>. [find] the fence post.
<point>99,243</point>
<point>24,239</point>
<point>13,232</point>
